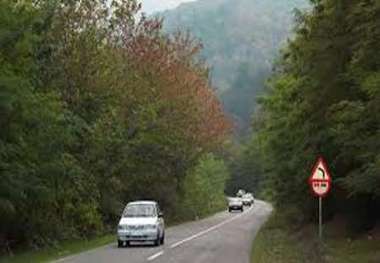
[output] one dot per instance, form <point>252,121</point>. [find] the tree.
<point>96,109</point>
<point>321,101</point>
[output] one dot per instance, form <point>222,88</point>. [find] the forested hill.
<point>241,39</point>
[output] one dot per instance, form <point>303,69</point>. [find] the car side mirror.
<point>160,214</point>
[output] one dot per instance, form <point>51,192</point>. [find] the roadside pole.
<point>320,218</point>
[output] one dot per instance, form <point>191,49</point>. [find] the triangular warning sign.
<point>320,179</point>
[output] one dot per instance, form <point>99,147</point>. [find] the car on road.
<point>240,193</point>
<point>248,199</point>
<point>235,203</point>
<point>141,221</point>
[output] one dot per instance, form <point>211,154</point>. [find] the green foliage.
<point>40,181</point>
<point>246,170</point>
<point>96,109</point>
<point>324,100</point>
<point>203,188</point>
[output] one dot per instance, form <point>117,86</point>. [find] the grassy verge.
<point>274,244</point>
<point>279,242</point>
<point>64,249</point>
<point>353,251</point>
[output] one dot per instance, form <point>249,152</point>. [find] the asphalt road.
<point>222,238</point>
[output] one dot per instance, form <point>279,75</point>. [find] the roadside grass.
<point>65,249</point>
<point>280,242</point>
<point>273,244</point>
<point>353,251</point>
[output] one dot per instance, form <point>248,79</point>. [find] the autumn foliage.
<point>99,108</point>
<point>171,60</point>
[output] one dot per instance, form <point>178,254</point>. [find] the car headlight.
<point>121,227</point>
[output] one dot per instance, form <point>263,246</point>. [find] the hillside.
<point>241,40</point>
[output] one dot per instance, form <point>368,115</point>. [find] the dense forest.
<point>324,99</point>
<point>241,40</point>
<point>98,108</point>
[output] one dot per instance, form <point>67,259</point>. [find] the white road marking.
<point>206,231</point>
<point>153,257</point>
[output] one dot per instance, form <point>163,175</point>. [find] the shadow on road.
<point>135,245</point>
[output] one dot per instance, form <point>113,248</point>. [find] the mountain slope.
<point>241,40</point>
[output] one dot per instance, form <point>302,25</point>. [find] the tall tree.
<point>322,101</point>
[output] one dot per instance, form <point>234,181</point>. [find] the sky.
<point>150,6</point>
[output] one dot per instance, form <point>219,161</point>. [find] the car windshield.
<point>140,210</point>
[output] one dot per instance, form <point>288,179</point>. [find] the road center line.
<point>153,257</point>
<point>203,232</point>
<point>206,231</point>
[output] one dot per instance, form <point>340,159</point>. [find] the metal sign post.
<point>320,218</point>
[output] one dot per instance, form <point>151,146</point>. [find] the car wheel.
<point>242,209</point>
<point>229,210</point>
<point>120,243</point>
<point>157,241</point>
<point>163,239</point>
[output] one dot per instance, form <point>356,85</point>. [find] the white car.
<point>240,193</point>
<point>235,204</point>
<point>248,199</point>
<point>141,221</point>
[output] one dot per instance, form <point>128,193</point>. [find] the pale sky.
<point>150,6</point>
